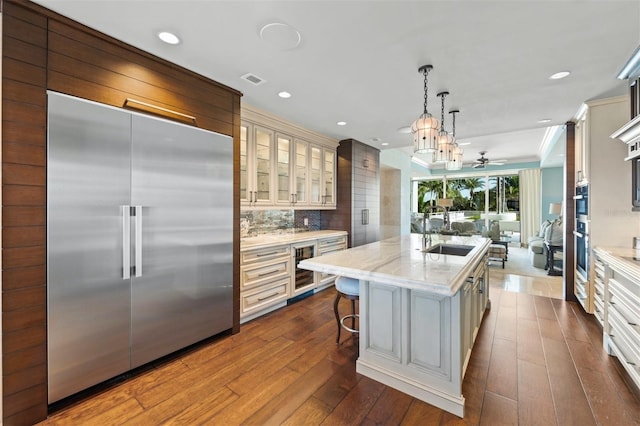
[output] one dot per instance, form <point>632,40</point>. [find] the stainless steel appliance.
<point>303,277</point>
<point>582,202</point>
<point>582,230</point>
<point>582,248</point>
<point>139,249</point>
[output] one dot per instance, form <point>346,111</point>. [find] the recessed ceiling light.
<point>406,129</point>
<point>544,120</point>
<point>384,143</point>
<point>464,143</point>
<point>341,123</point>
<point>559,75</point>
<point>168,37</point>
<point>285,95</point>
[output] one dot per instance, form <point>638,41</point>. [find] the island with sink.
<point>421,305</point>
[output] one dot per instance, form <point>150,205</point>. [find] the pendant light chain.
<point>453,129</point>
<point>442,112</point>
<point>426,88</point>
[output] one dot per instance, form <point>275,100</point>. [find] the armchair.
<point>549,231</point>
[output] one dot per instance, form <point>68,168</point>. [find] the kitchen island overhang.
<point>419,312</point>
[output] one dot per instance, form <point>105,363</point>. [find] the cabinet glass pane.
<point>316,173</point>
<point>264,141</point>
<point>329,166</point>
<point>284,147</point>
<point>243,162</point>
<point>301,172</point>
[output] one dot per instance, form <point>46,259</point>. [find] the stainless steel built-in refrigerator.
<point>139,240</point>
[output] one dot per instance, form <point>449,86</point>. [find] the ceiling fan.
<point>483,161</point>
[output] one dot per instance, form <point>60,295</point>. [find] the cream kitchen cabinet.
<point>265,280</point>
<point>608,177</point>
<point>621,303</point>
<point>283,165</point>
<point>322,170</point>
<point>269,277</point>
<point>599,280</point>
<point>326,246</point>
<point>256,165</point>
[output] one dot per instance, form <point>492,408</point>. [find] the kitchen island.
<point>420,311</point>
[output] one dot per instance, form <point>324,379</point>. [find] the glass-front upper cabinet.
<point>283,170</point>
<point>244,177</point>
<point>283,165</point>
<point>322,169</point>
<point>315,170</point>
<point>329,177</point>
<point>263,155</point>
<point>256,165</point>
<point>300,173</point>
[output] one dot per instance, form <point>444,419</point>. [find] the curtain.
<point>530,203</point>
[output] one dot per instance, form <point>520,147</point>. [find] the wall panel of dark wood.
<point>24,250</point>
<point>43,50</point>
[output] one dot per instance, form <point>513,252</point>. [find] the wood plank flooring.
<point>536,361</point>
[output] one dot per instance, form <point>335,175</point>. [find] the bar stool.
<point>349,288</point>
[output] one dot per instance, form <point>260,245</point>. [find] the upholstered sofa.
<point>464,228</point>
<point>549,231</point>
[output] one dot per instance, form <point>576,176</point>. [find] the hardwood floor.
<point>536,361</point>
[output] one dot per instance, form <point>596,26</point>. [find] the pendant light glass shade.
<point>425,133</point>
<point>444,148</point>
<point>456,158</point>
<point>425,128</point>
<point>444,152</point>
<point>455,163</point>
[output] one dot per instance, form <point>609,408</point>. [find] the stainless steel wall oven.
<point>582,248</point>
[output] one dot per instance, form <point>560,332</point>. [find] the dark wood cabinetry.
<point>358,193</point>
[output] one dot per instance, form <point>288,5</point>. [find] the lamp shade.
<point>444,150</point>
<point>425,133</point>
<point>555,208</point>
<point>444,202</point>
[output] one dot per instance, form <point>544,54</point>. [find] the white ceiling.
<point>358,60</point>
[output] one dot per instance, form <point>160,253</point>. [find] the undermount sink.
<point>450,249</point>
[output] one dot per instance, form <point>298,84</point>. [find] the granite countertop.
<point>268,240</point>
<point>399,261</point>
<point>622,259</point>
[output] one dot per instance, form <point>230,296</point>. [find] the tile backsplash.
<point>261,222</point>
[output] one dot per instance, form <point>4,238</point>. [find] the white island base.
<point>419,342</point>
<point>419,314</point>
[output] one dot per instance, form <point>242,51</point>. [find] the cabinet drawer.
<point>598,289</point>
<point>624,302</point>
<point>264,297</point>
<point>261,273</point>
<point>330,245</point>
<point>265,254</point>
<point>625,336</point>
<point>598,310</point>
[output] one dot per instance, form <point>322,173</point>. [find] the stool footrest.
<point>346,317</point>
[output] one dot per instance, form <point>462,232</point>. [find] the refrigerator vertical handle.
<point>138,241</point>
<point>126,242</point>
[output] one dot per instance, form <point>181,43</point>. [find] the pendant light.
<point>456,155</point>
<point>444,150</point>
<point>425,128</point>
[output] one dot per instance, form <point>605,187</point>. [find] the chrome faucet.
<point>445,216</point>
<point>424,232</point>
